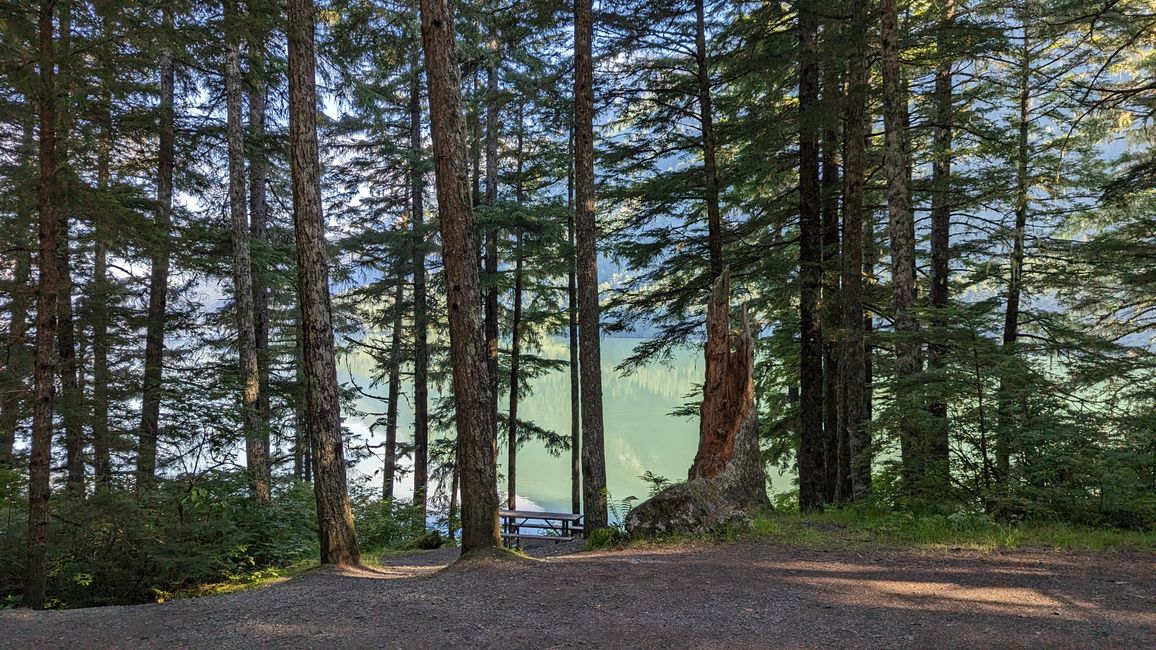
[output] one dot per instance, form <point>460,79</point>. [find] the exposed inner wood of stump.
<point>729,390</point>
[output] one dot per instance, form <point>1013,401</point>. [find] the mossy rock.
<point>696,507</point>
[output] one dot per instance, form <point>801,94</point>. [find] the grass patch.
<point>606,538</point>
<point>853,528</point>
<point>375,557</point>
<point>243,581</point>
<point>488,557</point>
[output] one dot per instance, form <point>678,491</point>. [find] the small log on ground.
<point>726,482</point>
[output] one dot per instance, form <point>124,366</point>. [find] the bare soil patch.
<point>700,596</point>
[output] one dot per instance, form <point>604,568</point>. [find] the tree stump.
<point>726,481</point>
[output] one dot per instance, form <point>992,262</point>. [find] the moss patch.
<point>488,557</point>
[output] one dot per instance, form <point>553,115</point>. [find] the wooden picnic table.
<point>554,526</point>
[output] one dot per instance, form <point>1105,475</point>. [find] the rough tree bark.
<point>475,426</point>
<point>302,446</point>
<point>39,487</point>
<point>729,389</point>
<point>474,127</point>
<point>572,318</point>
<point>158,277</point>
<point>71,395</point>
<point>491,199</point>
<point>452,518</point>
<point>901,225</point>
<point>854,438</point>
<point>938,447</point>
<point>832,323</point>
<point>726,482</point>
<point>515,331</point>
<point>589,343</point>
<point>256,455</point>
<point>393,392</point>
<point>810,458</point>
<point>258,232</point>
<point>420,320</point>
<point>322,408</point>
<point>515,351</point>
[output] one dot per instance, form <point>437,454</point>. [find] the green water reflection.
<point>641,436</point>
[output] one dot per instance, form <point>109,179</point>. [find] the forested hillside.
<point>937,220</point>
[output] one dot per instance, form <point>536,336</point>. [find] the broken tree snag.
<point>729,389</point>
<point>727,482</point>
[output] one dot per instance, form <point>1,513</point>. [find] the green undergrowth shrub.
<point>606,537</point>
<point>117,548</point>
<point>387,525</point>
<point>615,534</point>
<point>1115,497</point>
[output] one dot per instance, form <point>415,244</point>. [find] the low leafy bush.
<point>615,534</point>
<point>118,548</point>
<point>387,525</point>
<point>606,537</point>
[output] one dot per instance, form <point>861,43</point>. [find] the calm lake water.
<point>641,436</point>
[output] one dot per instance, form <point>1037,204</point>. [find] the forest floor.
<point>738,594</point>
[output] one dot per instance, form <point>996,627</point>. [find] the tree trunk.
<point>491,199</point>
<point>832,388</point>
<point>589,343</point>
<point>515,333</point>
<point>72,398</point>
<point>1007,387</point>
<point>854,438</point>
<point>158,277</point>
<point>726,480</point>
<point>420,320</point>
<point>256,455</point>
<point>729,388</point>
<point>709,165</point>
<point>16,365</point>
<point>515,350</point>
<point>475,424</point>
<point>101,377</point>
<point>871,254</point>
<point>39,486</point>
<point>452,515</point>
<point>572,331</point>
<point>82,356</point>
<point>322,406</point>
<point>394,390</point>
<point>258,233</point>
<point>302,446</point>
<point>901,224</point>
<point>938,447</point>
<point>475,131</point>
<point>810,457</point>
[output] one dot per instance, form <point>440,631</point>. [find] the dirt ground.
<point>707,596</point>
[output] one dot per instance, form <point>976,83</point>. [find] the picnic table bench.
<point>553,526</point>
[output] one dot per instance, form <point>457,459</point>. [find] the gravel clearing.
<point>700,596</point>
